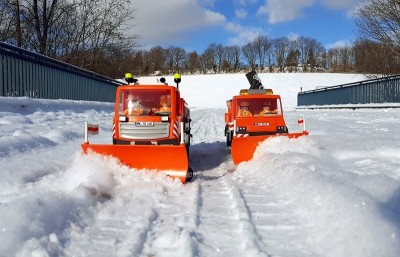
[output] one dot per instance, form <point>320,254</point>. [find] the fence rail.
<point>380,90</point>
<point>23,73</point>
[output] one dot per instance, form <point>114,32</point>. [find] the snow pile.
<point>312,178</point>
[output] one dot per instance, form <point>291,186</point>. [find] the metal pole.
<point>182,133</point>
<point>86,133</point>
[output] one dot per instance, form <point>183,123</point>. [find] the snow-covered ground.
<point>333,193</point>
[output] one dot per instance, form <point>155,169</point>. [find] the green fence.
<point>380,90</point>
<point>23,73</point>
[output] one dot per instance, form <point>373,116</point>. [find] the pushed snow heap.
<point>149,133</point>
<point>254,115</point>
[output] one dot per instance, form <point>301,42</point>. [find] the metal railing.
<point>380,90</point>
<point>24,73</point>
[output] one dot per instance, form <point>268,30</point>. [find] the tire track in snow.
<point>208,125</point>
<point>262,221</point>
<point>115,231</point>
<point>258,224</point>
<point>119,228</point>
<point>274,223</point>
<point>226,221</point>
<point>173,233</point>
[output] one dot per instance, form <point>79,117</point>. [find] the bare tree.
<point>232,57</point>
<point>292,60</point>
<point>5,20</point>
<point>175,58</point>
<point>280,50</point>
<point>193,63</point>
<point>250,54</point>
<point>310,51</point>
<point>10,22</point>
<point>83,32</point>
<point>208,59</point>
<point>379,20</point>
<point>203,64</point>
<point>44,16</point>
<point>179,58</point>
<point>32,24</point>
<point>218,51</point>
<point>102,25</point>
<point>137,63</point>
<point>303,47</point>
<point>262,45</point>
<point>375,58</point>
<point>155,59</point>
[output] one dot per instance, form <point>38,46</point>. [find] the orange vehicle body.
<point>244,133</point>
<point>151,130</point>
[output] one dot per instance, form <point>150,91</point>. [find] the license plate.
<point>261,124</point>
<point>145,124</point>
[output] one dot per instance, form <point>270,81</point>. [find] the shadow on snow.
<point>390,210</point>
<point>207,156</point>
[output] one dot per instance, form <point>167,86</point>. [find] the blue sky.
<point>194,24</point>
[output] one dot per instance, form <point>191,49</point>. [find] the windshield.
<point>144,102</point>
<point>258,106</point>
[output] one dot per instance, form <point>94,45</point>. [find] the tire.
<point>187,150</point>
<point>228,139</point>
<point>189,175</point>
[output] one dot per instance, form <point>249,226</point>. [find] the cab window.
<point>144,102</point>
<point>258,106</point>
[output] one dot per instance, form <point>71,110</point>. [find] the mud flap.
<point>243,148</point>
<point>170,159</point>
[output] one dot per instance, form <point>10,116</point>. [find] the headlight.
<point>123,118</point>
<point>242,129</point>
<point>281,129</point>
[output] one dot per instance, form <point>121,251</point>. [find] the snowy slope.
<point>333,193</point>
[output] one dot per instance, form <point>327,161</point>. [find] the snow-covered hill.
<point>333,193</point>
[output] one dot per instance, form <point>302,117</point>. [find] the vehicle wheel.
<point>228,139</point>
<point>189,175</point>
<point>187,150</point>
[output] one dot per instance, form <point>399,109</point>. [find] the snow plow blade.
<point>243,148</point>
<point>170,159</point>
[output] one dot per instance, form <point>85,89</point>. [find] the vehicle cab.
<point>150,114</point>
<point>254,112</point>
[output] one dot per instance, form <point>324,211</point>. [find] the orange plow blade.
<point>243,148</point>
<point>170,159</point>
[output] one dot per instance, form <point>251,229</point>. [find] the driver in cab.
<point>244,109</point>
<point>165,103</point>
<point>164,107</point>
<point>267,110</point>
<point>134,107</point>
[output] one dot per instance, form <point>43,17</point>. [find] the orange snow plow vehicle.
<point>151,129</point>
<point>253,116</point>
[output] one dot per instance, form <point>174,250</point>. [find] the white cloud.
<point>244,2</point>
<point>284,10</point>
<point>293,36</point>
<point>208,3</point>
<point>340,43</point>
<point>288,10</point>
<point>243,35</point>
<point>169,21</point>
<point>239,2</point>
<point>340,4</point>
<point>349,6</point>
<point>241,13</point>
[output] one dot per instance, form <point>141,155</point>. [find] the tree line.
<point>303,54</point>
<point>93,34</point>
